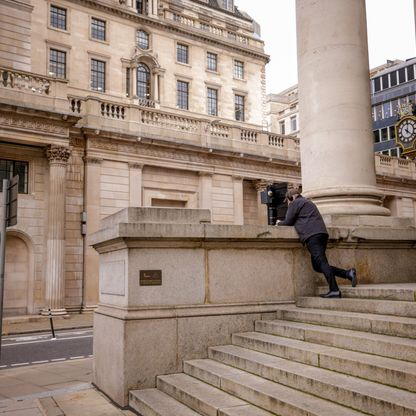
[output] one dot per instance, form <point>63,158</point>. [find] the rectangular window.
<point>183,95</point>
<point>239,107</point>
<point>10,168</point>
<point>98,29</point>
<point>376,136</point>
<point>410,73</point>
<point>393,78</point>
<point>212,95</point>
<point>293,123</point>
<point>58,17</point>
<point>212,60</point>
<point>182,53</point>
<point>393,152</point>
<point>282,127</point>
<point>127,82</point>
<point>387,109</point>
<point>141,6</point>
<point>57,63</point>
<point>384,134</point>
<point>402,75</point>
<point>97,75</point>
<point>392,133</point>
<point>377,84</point>
<point>379,112</point>
<point>228,5</point>
<point>239,69</point>
<point>385,81</point>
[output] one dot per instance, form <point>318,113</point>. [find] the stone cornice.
<point>172,27</point>
<point>154,152</point>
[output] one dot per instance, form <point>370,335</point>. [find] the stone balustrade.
<point>230,35</point>
<point>396,167</point>
<point>38,90</point>
<point>145,121</point>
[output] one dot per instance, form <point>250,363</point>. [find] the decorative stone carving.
<point>58,154</point>
<point>133,165</point>
<point>26,123</point>
<point>91,160</point>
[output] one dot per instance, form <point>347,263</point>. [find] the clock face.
<point>406,131</point>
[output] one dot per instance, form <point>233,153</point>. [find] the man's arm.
<point>291,215</point>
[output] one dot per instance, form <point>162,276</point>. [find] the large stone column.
<point>338,168</point>
<point>92,209</point>
<point>55,246</point>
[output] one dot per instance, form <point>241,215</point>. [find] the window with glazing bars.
<point>97,75</point>
<point>212,59</point>
<point>57,63</point>
<point>212,95</point>
<point>98,29</point>
<point>58,17</point>
<point>183,95</point>
<point>143,81</point>
<point>142,39</point>
<point>10,168</point>
<point>239,107</point>
<point>239,69</point>
<point>141,6</point>
<point>182,53</point>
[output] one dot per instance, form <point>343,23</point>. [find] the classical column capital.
<point>133,165</point>
<point>58,154</point>
<point>260,184</point>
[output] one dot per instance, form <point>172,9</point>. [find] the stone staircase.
<point>322,357</point>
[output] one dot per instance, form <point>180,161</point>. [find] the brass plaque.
<point>150,277</point>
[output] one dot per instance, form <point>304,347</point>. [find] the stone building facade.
<point>109,104</point>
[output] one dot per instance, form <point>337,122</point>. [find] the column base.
<point>54,312</point>
<point>349,201</point>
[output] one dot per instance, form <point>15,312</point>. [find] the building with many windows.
<point>156,103</point>
<point>393,85</point>
<point>109,104</point>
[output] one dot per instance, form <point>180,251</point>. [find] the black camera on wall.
<point>274,197</point>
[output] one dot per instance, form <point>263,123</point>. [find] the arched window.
<point>142,39</point>
<point>143,81</point>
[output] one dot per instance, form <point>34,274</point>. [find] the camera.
<point>274,197</point>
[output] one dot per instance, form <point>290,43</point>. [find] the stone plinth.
<point>216,280</point>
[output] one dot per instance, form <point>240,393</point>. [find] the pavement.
<point>53,389</point>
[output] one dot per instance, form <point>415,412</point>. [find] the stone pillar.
<point>92,208</point>
<point>238,200</point>
<point>55,245</point>
<point>260,186</point>
<point>205,190</point>
<point>338,169</point>
<point>135,184</point>
<point>133,76</point>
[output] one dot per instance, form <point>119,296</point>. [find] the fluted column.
<point>93,211</point>
<point>55,246</point>
<point>338,169</point>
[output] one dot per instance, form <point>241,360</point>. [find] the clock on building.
<point>406,132</point>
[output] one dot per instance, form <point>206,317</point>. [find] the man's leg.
<point>317,246</point>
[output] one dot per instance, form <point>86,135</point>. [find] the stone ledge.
<point>188,311</point>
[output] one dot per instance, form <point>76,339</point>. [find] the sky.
<point>390,27</point>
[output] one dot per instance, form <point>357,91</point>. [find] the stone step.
<point>273,397</point>
<point>388,291</point>
<point>383,345</point>
<point>382,307</point>
<point>153,402</point>
<point>205,399</point>
<point>388,371</point>
<point>378,324</point>
<point>359,394</point>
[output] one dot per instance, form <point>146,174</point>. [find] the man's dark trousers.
<point>316,245</point>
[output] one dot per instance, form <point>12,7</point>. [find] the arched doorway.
<point>17,277</point>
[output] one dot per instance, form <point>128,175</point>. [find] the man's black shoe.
<point>332,294</point>
<point>352,274</point>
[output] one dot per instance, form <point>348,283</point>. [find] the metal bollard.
<point>51,322</point>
